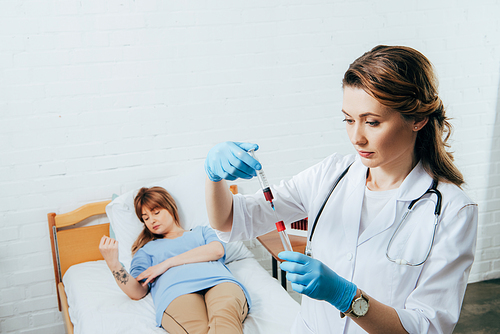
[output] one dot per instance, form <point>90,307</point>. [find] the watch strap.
<point>350,310</point>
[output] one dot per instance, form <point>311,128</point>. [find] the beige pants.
<point>220,309</point>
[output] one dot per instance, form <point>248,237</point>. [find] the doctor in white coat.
<point>370,270</point>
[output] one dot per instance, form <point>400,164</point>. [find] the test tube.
<point>284,236</point>
<point>263,180</point>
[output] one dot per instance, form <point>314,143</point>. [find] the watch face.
<point>360,307</point>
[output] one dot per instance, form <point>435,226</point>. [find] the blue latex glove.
<point>230,161</point>
<point>313,278</point>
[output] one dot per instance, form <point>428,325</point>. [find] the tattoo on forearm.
<point>121,276</point>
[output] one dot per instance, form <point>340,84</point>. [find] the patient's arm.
<point>210,252</point>
<point>132,288</point>
<point>219,201</point>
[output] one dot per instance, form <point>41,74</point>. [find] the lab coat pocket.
<point>301,326</point>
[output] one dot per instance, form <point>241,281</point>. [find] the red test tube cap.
<point>280,226</point>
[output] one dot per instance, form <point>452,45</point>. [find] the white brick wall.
<point>98,97</point>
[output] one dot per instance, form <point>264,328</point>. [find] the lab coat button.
<point>349,256</point>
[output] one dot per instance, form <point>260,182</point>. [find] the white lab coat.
<point>427,298</point>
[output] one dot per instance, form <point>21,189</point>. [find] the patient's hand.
<point>151,273</point>
<point>109,250</point>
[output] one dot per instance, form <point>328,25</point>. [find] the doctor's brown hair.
<point>403,79</point>
<point>152,198</point>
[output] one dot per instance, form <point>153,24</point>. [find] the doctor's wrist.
<point>343,302</point>
<point>356,295</point>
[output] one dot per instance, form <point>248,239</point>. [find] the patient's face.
<point>158,221</point>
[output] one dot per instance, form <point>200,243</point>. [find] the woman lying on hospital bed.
<point>192,289</point>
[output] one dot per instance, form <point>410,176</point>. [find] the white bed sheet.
<point>97,305</point>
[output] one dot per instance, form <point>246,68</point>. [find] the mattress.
<point>97,305</point>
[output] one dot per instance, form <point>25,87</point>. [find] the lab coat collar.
<point>415,184</point>
<point>357,172</point>
<point>351,212</point>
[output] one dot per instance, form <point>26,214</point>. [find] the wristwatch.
<point>359,307</point>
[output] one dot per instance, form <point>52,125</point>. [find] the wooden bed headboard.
<point>75,245</point>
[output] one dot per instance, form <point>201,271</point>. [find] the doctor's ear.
<point>419,124</point>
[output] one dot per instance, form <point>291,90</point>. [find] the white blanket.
<point>97,305</point>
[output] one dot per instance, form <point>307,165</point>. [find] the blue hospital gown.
<point>184,279</point>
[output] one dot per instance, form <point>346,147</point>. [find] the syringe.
<point>280,225</point>
<point>263,181</point>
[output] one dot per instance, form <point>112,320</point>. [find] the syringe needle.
<point>274,210</point>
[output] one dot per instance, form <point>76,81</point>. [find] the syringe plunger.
<point>260,173</point>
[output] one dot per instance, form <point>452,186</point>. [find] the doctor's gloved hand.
<point>313,278</point>
<point>230,161</point>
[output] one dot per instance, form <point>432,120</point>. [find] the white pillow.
<point>188,191</point>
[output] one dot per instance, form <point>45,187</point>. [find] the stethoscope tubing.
<point>437,213</point>
<point>326,200</point>
<point>402,261</point>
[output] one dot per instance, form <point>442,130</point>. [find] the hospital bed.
<point>92,302</point>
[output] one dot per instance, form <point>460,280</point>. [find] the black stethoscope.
<point>437,212</point>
